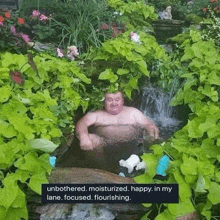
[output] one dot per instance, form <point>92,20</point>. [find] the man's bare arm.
<point>146,123</point>
<point>83,124</point>
<point>82,130</point>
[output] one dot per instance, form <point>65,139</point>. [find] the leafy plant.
<point>212,28</point>
<point>79,23</point>
<point>136,15</point>
<point>37,102</point>
<point>122,63</point>
<point>12,35</point>
<point>195,149</point>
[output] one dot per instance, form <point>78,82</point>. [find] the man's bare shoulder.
<point>131,109</point>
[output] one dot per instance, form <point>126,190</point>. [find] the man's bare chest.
<point>106,119</point>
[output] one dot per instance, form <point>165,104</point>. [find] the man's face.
<point>114,103</point>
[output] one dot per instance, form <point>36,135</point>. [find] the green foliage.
<point>212,28</point>
<point>126,62</point>
<point>195,148</point>
<point>79,23</point>
<point>12,39</point>
<point>134,14</point>
<point>34,114</point>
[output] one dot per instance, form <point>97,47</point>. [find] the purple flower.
<point>1,23</point>
<point>25,38</point>
<point>43,17</point>
<point>13,30</point>
<point>35,13</point>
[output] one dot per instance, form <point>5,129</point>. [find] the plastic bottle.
<point>162,166</point>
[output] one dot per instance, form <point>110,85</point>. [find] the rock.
<point>80,211</point>
<point>75,175</point>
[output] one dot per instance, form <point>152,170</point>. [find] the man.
<point>114,124</point>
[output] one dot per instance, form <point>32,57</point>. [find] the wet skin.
<point>115,119</point>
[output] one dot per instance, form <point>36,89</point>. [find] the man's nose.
<point>114,102</point>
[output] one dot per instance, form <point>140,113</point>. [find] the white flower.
<point>135,37</point>
<point>116,13</point>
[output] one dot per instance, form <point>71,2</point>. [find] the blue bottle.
<point>52,161</point>
<point>162,166</point>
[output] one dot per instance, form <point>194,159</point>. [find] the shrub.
<point>195,149</point>
<point>38,98</point>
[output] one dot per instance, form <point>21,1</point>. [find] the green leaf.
<point>42,144</point>
<point>189,166</point>
<point>7,130</point>
<point>7,59</point>
<point>213,79</point>
<point>188,54</point>
<point>108,75</point>
<point>3,211</point>
<point>217,173</point>
<point>151,161</point>
<point>84,104</point>
<point>214,193</point>
<point>193,127</point>
<point>55,132</point>
<point>17,213</point>
<point>197,49</point>
<point>195,35</point>
<point>209,148</point>
<point>143,67</point>
<point>4,73</point>
<point>200,185</point>
<point>30,162</point>
<point>184,189</point>
<point>182,208</point>
<point>143,50</point>
<point>9,193</point>
<point>158,149</point>
<point>81,76</point>
<point>165,215</point>
<point>122,71</point>
<point>209,91</point>
<point>36,181</point>
<point>5,93</point>
<point>209,123</point>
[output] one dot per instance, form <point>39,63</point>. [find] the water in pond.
<point>155,104</point>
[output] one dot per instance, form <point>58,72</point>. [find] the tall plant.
<point>79,23</point>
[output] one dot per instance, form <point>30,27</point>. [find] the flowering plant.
<point>42,29</point>
<point>212,28</point>
<point>135,37</point>
<point>12,28</point>
<point>71,53</point>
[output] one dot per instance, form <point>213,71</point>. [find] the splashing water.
<point>155,106</point>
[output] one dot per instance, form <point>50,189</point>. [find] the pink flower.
<point>59,53</point>
<point>135,37</point>
<point>72,52</point>
<point>35,13</point>
<point>25,38</point>
<point>1,24</point>
<point>13,30</point>
<point>73,49</point>
<point>43,17</point>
